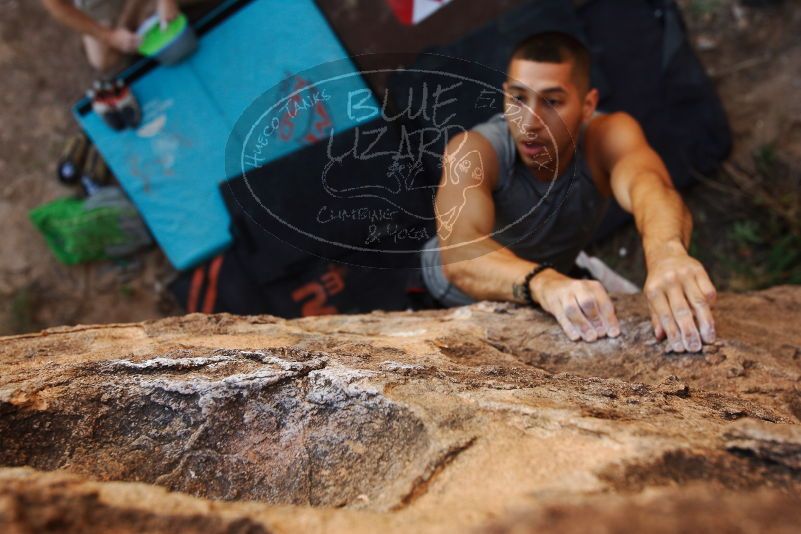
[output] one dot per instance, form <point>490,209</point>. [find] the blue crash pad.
<point>172,165</point>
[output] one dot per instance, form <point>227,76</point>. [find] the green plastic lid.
<point>154,38</point>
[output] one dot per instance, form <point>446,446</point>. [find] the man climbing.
<point>109,27</point>
<point>522,193</point>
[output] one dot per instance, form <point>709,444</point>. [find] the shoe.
<point>102,98</point>
<point>126,103</point>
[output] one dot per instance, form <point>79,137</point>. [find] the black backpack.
<point>646,66</point>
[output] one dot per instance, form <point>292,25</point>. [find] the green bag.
<point>104,226</point>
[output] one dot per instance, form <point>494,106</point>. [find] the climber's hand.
<point>680,296</point>
<point>582,307</point>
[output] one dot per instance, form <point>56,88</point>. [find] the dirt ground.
<point>42,78</point>
<point>754,55</point>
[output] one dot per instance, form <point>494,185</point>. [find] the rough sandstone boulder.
<point>484,417</point>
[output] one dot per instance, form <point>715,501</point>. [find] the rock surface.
<point>484,417</point>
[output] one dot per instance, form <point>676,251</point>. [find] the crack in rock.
<point>780,443</point>
<point>423,482</point>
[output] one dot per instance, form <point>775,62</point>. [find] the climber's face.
<point>545,105</point>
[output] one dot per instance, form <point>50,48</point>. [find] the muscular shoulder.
<point>470,155</point>
<point>612,133</point>
<point>607,136</point>
<point>464,205</point>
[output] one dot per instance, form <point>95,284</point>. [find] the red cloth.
<point>403,9</point>
<point>413,11</point>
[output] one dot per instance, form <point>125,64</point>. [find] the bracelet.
<point>526,289</point>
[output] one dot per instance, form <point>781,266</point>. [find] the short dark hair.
<point>556,47</point>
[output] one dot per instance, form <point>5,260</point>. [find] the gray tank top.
<point>537,220</point>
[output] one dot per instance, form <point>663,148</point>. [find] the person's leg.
<point>101,56</point>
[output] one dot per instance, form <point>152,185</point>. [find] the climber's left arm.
<point>679,292</point>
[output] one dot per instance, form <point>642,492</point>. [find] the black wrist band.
<point>531,274</point>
